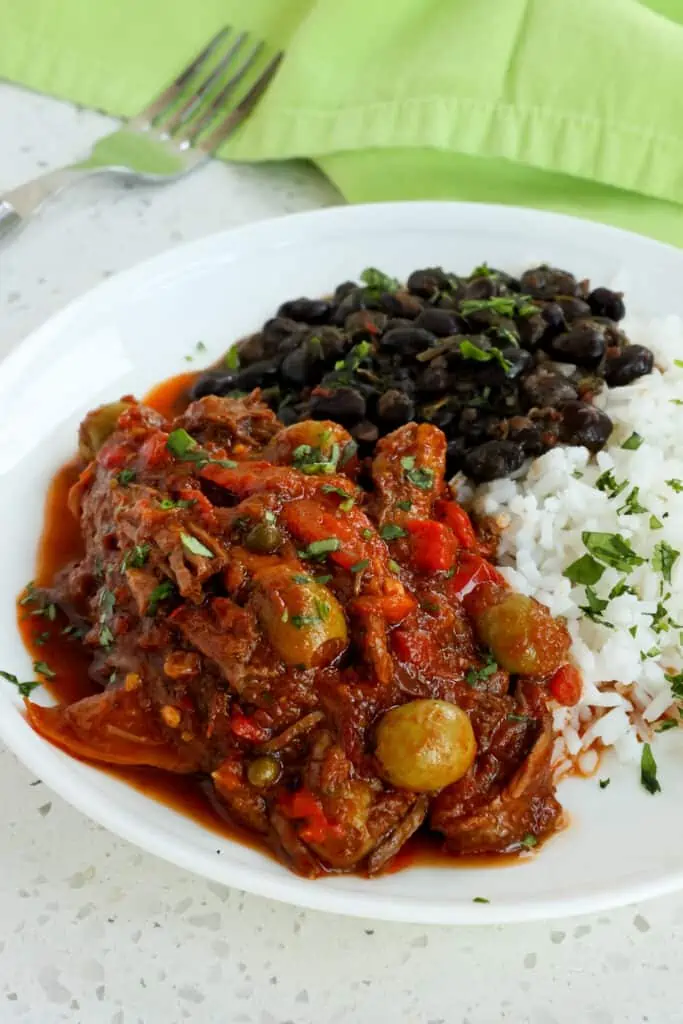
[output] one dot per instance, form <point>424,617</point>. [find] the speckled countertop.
<point>95,932</point>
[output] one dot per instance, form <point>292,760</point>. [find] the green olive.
<point>264,538</point>
<point>263,772</point>
<point>523,636</point>
<point>425,745</point>
<point>302,619</point>
<point>97,426</point>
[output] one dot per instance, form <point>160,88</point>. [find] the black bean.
<point>428,282</point>
<point>287,415</point>
<point>632,362</point>
<point>344,289</point>
<point>493,459</point>
<point>584,424</point>
<point>572,307</point>
<point>407,340</point>
<point>365,432</point>
<point>583,344</point>
<point>614,336</point>
<point>440,414</point>
<point>275,330</point>
<point>213,382</point>
<point>325,342</point>
<point>308,311</point>
<point>485,287</point>
<point>604,302</point>
<point>401,304</point>
<point>553,315</point>
<point>395,408</point>
<point>297,367</point>
<point>546,282</point>
<point>476,426</point>
<point>526,432</point>
<point>365,323</point>
<point>398,321</point>
<point>434,379</point>
<point>343,405</point>
<point>542,388</point>
<point>518,360</point>
<point>455,452</point>
<point>532,330</point>
<point>258,375</point>
<point>441,322</point>
<point>254,349</point>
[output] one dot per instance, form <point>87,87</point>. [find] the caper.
<point>264,538</point>
<point>263,772</point>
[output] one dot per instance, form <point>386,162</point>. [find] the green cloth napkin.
<point>570,105</point>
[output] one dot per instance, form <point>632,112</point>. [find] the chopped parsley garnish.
<point>231,359</point>
<point>169,503</point>
<point>611,549</point>
<point>517,718</point>
<point>420,476</point>
<point>332,489</point>
<point>648,770</point>
<point>394,566</point>
<point>595,607</point>
<point>678,362</point>
<point>675,485</point>
<point>303,621</point>
<point>136,557</point>
<point>661,620</point>
<point>664,559</point>
<point>508,306</point>
<point>43,669</point>
<point>195,547</point>
<point>321,548</point>
<point>577,474</point>
<point>348,452</point>
<point>300,578</point>
<point>656,524</point>
<point>632,506</point>
<point>480,899</point>
<point>676,401</point>
<point>376,282</point>
<point>391,531</point>
<point>42,638</point>
<point>675,680</point>
<point>652,653</point>
<point>405,506</point>
<point>468,350</point>
<point>184,447</point>
<point>621,588</point>
<point>608,483</point>
<point>126,476</point>
<point>359,566</point>
<point>322,608</point>
<point>311,460</point>
<point>29,595</point>
<point>633,442</point>
<point>476,675</point>
<point>25,689</point>
<point>367,533</point>
<point>666,724</point>
<point>529,841</point>
<point>322,579</point>
<point>604,783</point>
<point>584,570</point>
<point>159,594</point>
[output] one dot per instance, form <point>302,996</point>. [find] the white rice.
<point>545,513</point>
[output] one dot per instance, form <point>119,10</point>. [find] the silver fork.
<point>177,132</point>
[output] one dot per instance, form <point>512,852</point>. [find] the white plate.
<point>134,330</point>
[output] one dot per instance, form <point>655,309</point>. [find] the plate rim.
<point>32,751</point>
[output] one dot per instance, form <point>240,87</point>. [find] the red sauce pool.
<point>61,543</point>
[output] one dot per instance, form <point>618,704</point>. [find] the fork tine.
<point>202,123</point>
<point>171,93</point>
<point>196,99</point>
<point>243,108</point>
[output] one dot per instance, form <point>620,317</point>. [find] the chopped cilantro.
<point>25,689</point>
<point>611,549</point>
<point>391,531</point>
<point>621,588</point>
<point>608,483</point>
<point>195,547</point>
<point>648,770</point>
<point>360,566</point>
<point>631,506</point>
<point>529,841</point>
<point>300,578</point>
<point>126,476</point>
<point>480,899</point>
<point>160,593</point>
<point>43,669</point>
<point>656,524</point>
<point>595,607</point>
<point>633,442</point>
<point>184,447</point>
<point>604,783</point>
<point>468,350</point>
<point>675,485</point>
<point>322,579</point>
<point>322,608</point>
<point>666,724</point>
<point>584,570</point>
<point>405,506</point>
<point>664,559</point>
<point>394,566</point>
<point>476,675</point>
<point>321,548</point>
<point>303,621</point>
<point>348,452</point>
<point>311,460</point>
<point>136,557</point>
<point>377,282</point>
<point>231,359</point>
<point>367,533</point>
<point>169,503</point>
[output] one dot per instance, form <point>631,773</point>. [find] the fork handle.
<point>17,205</point>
